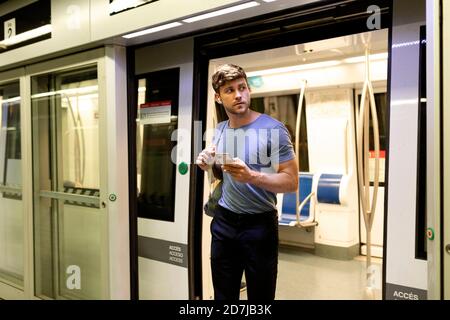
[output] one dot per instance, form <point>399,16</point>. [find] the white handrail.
<point>311,211</point>
<point>363,159</point>
<point>297,142</point>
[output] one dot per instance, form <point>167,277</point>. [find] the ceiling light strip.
<point>216,13</point>
<point>323,64</point>
<point>152,30</point>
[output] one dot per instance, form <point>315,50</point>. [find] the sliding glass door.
<point>64,231</point>
<point>69,223</point>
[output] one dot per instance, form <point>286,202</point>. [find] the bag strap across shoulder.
<point>216,140</point>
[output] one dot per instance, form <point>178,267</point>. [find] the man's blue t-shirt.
<point>262,145</point>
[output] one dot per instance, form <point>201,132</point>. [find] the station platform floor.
<point>305,276</point>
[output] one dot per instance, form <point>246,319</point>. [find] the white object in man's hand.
<point>239,171</point>
<point>224,158</point>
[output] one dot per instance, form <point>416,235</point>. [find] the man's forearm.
<point>281,182</point>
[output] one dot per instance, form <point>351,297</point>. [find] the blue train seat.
<point>328,188</point>
<point>328,192</point>
<point>288,216</point>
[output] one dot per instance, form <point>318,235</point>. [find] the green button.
<point>183,168</point>
<point>430,233</point>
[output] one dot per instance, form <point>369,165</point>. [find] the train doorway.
<point>160,172</point>
<point>331,71</point>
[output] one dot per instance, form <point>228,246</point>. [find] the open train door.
<point>160,130</point>
<point>406,245</point>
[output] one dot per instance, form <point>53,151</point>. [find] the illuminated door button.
<point>183,168</point>
<point>430,233</point>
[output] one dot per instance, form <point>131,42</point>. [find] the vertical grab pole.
<point>297,143</point>
<point>368,206</point>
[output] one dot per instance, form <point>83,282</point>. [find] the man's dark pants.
<point>244,242</point>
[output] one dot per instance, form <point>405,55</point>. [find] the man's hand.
<point>205,159</point>
<point>239,171</point>
<point>285,180</point>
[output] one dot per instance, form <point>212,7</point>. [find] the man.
<point>245,225</point>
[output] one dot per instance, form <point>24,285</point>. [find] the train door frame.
<point>403,218</point>
<point>434,197</point>
<point>278,30</point>
<point>444,66</point>
<point>110,61</point>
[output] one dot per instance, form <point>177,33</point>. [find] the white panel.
<point>446,142</point>
<point>433,143</point>
<point>117,170</point>
<point>331,144</point>
<point>208,289</point>
<point>337,226</point>
<point>328,114</point>
<point>70,28</point>
<point>3,159</point>
<point>402,268</point>
<point>162,281</point>
<point>327,141</point>
<point>165,11</point>
<point>83,22</point>
<point>27,191</point>
<point>147,15</point>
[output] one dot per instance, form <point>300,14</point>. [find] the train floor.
<point>305,276</point>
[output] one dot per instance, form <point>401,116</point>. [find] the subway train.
<point>100,197</point>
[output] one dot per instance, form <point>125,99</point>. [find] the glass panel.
<point>156,166</point>
<point>69,232</point>
<point>11,213</point>
<point>284,108</point>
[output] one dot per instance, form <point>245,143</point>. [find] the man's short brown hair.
<point>227,72</point>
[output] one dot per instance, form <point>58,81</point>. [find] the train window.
<point>66,184</point>
<point>10,146</point>
<point>284,109</point>
<point>158,119</point>
<point>11,208</point>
